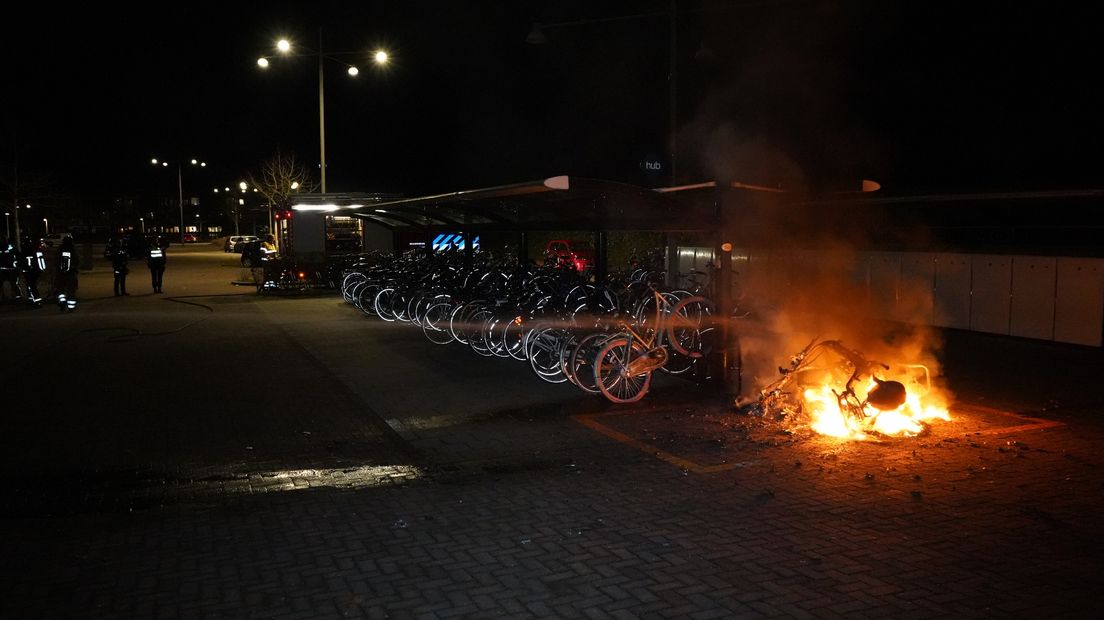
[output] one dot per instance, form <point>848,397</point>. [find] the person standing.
<point>118,255</point>
<point>65,276</point>
<point>156,262</point>
<point>34,263</point>
<point>268,261</point>
<point>9,270</point>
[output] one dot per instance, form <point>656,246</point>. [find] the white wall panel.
<point>685,263</point>
<point>952,291</point>
<point>758,278</point>
<point>1079,305</point>
<point>915,296</point>
<point>885,281</point>
<point>1025,296</point>
<point>1033,279</point>
<point>858,279</point>
<point>991,293</point>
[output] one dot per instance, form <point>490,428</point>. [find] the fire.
<point>841,393</point>
<point>921,405</point>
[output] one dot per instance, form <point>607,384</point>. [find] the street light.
<point>179,185</point>
<point>283,46</point>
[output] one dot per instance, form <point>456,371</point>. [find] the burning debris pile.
<point>836,391</point>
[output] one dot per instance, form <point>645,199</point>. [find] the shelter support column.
<point>523,247</point>
<point>601,255</point>
<point>672,259</point>
<point>469,241</point>
<point>730,343</point>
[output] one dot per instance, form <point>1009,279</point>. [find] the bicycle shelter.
<point>552,204</point>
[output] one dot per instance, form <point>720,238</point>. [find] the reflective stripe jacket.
<point>34,262</point>
<point>67,261</point>
<point>156,257</point>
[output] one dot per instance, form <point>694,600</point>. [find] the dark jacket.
<point>119,258</point>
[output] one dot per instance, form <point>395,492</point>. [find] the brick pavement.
<point>523,511</point>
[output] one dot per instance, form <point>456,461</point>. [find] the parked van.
<point>236,243</point>
<point>53,240</point>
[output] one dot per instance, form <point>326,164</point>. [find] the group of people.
<point>27,265</point>
<point>120,258</point>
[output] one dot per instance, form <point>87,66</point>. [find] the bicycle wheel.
<point>494,331</point>
<point>689,327</point>
<point>477,334</point>
<point>349,283</point>
<point>382,304</point>
<point>435,323</point>
<point>366,298</point>
<point>399,301</point>
<point>571,340</point>
<point>611,370</point>
<point>544,354</point>
<point>514,338</point>
<point>460,323</point>
<point>581,361</point>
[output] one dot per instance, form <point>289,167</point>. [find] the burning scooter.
<point>840,393</point>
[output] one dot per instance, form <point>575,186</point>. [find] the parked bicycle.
<point>625,361</point>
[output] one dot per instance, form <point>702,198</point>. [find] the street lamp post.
<point>283,46</point>
<point>179,185</point>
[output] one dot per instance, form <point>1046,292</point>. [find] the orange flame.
<point>922,405</point>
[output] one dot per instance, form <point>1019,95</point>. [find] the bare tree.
<point>280,177</point>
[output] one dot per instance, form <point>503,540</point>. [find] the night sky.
<point>920,96</point>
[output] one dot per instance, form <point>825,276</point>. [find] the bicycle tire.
<point>349,282</point>
<point>381,304</point>
<point>435,323</point>
<point>514,337</point>
<point>688,325</point>
<point>609,370</point>
<point>494,332</point>
<point>582,358</point>
<point>544,356</point>
<point>366,298</point>
<point>477,337</point>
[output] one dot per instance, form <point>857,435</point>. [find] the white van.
<point>54,239</point>
<point>237,243</point>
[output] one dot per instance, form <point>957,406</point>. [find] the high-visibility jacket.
<point>34,262</point>
<point>67,261</point>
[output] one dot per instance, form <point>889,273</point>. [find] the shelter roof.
<point>555,203</point>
